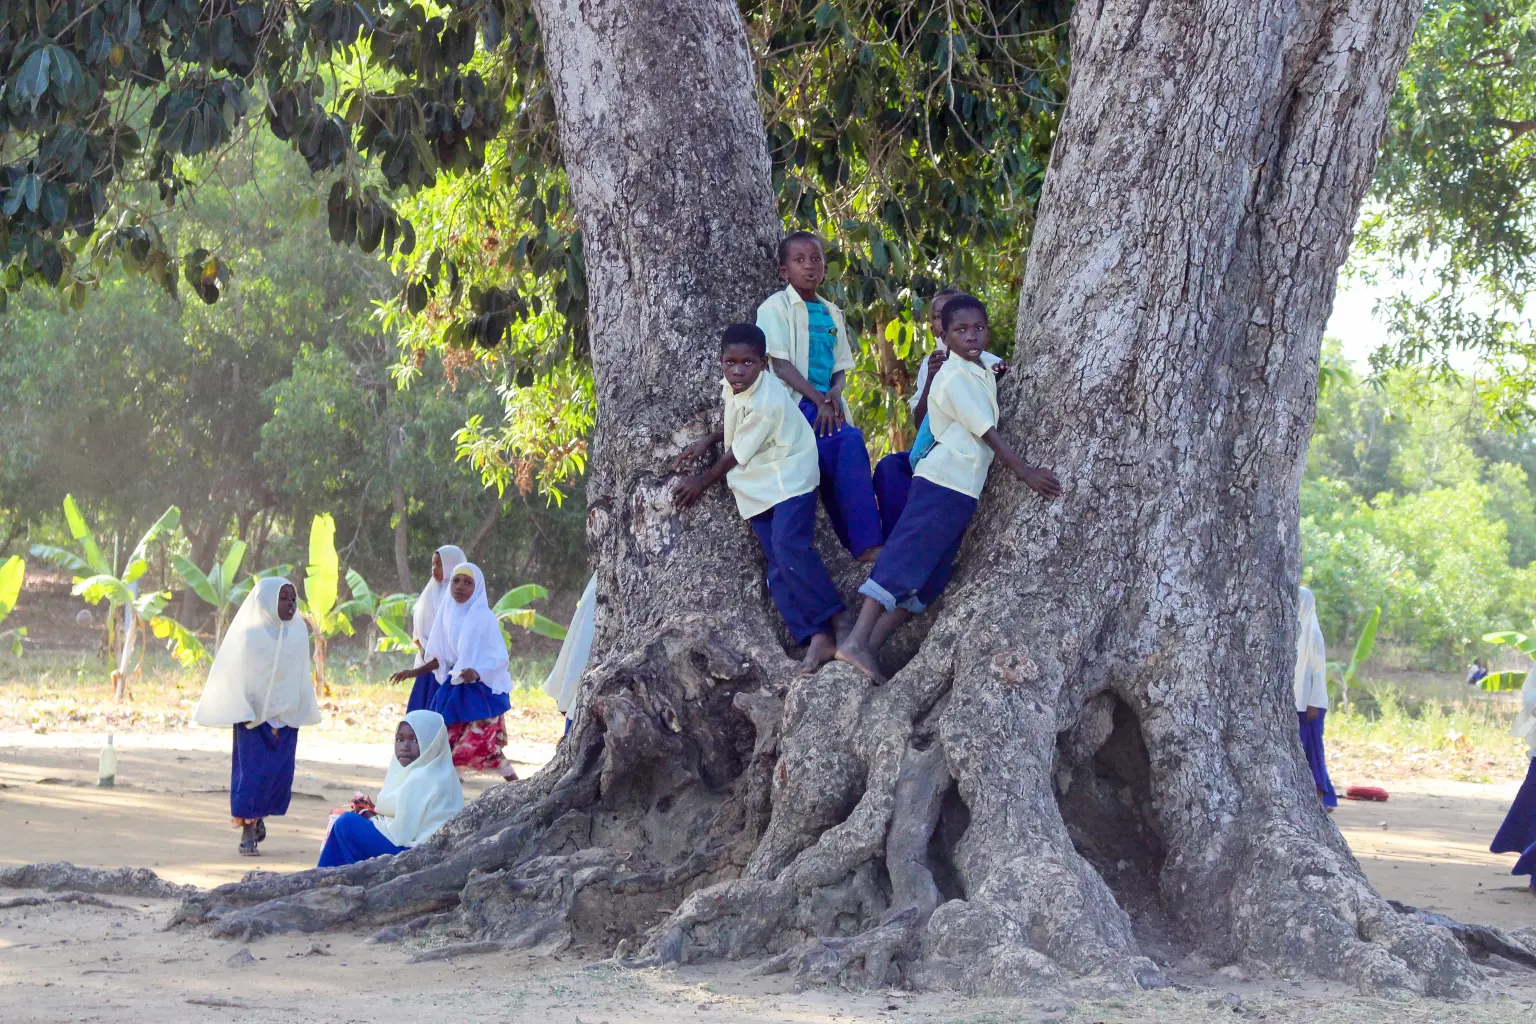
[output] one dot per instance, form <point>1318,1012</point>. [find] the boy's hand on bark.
<point>688,490</point>
<point>698,450</point>
<point>1041,480</point>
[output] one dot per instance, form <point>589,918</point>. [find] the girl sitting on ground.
<point>421,792</point>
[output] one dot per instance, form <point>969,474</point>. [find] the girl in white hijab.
<point>565,678</point>
<point>260,685</point>
<point>444,560</point>
<point>1310,685</point>
<point>469,656</point>
<point>421,792</point>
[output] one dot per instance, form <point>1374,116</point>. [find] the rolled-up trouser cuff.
<point>913,605</point>
<point>872,589</point>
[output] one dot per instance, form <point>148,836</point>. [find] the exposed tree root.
<point>1304,907</point>
<point>57,877</point>
<point>78,898</point>
<point>1479,940</point>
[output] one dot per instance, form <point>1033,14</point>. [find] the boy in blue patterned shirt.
<point>809,346</point>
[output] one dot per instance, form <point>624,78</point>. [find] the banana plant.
<point>12,573</point>
<point>1363,648</point>
<point>1503,682</point>
<point>394,622</point>
<point>216,586</point>
<point>365,602</point>
<point>512,608</point>
<point>97,579</point>
<point>322,581</point>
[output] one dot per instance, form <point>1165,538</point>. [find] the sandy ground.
<point>65,962</point>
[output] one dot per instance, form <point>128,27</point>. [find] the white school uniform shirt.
<point>1311,679</point>
<point>1525,721</point>
<point>962,406</point>
<point>785,323</point>
<point>988,360</point>
<point>774,447</point>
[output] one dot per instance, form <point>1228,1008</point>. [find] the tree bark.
<point>1089,764</point>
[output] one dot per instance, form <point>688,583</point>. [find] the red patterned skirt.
<point>478,746</point>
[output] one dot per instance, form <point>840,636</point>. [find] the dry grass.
<point>1406,726</point>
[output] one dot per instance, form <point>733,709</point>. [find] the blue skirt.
<point>422,692</point>
<point>261,771</point>
<point>1518,833</point>
<point>1312,743</point>
<point>469,702</point>
<point>354,838</point>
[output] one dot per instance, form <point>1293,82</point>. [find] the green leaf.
<point>1502,682</point>
<point>322,576</point>
<point>519,596</point>
<point>184,646</point>
<point>12,573</point>
<point>361,592</point>
<point>230,567</point>
<point>32,82</point>
<point>83,536</point>
<point>1364,645</point>
<point>194,577</point>
<point>534,622</point>
<point>62,558</point>
<point>1509,637</point>
<point>103,587</point>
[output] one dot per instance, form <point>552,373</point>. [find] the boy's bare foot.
<point>862,659</point>
<point>818,652</point>
<point>870,554</point>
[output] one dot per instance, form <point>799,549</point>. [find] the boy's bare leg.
<point>855,649</point>
<point>868,555</point>
<point>818,652</point>
<point>842,624</point>
<point>887,624</point>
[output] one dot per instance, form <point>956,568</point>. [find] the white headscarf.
<point>425,612</point>
<point>1311,680</point>
<point>468,635</point>
<point>261,673</point>
<point>565,677</point>
<point>418,797</point>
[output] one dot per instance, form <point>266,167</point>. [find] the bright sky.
<point>1352,322</point>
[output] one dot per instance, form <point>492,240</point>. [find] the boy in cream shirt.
<point>811,351</point>
<point>919,558</point>
<point>770,466</point>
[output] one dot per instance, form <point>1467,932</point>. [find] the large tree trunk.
<point>1090,761</point>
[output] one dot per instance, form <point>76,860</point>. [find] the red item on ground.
<point>477,746</point>
<point>1366,793</point>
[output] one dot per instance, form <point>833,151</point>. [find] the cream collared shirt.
<point>774,447</point>
<point>962,406</point>
<point>784,321</point>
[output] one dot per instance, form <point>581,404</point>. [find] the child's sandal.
<point>248,841</point>
<point>261,830</point>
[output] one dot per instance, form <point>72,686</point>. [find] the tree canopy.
<point>913,137</point>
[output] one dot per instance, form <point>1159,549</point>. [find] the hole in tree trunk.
<point>954,819</point>
<point>1104,792</point>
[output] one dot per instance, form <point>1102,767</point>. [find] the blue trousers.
<point>846,488</point>
<point>893,481</point>
<point>798,582</point>
<point>919,559</point>
<point>261,771</point>
<point>1518,833</point>
<point>354,838</point>
<point>1312,743</point>
<point>422,692</point>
